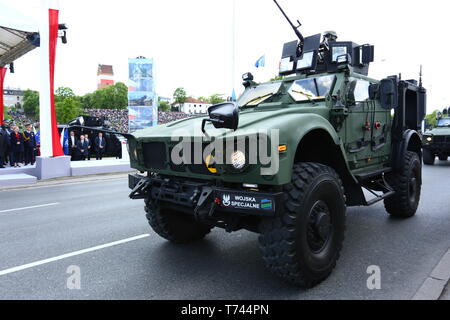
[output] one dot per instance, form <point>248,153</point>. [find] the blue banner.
<point>65,144</point>
<point>142,99</point>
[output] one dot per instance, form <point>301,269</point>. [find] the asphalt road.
<point>83,225</point>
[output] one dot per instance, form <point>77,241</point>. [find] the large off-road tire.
<point>303,245</point>
<point>428,157</point>
<point>175,226</point>
<point>443,158</point>
<point>407,184</point>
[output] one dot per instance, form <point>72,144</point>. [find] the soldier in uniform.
<point>3,146</point>
<point>16,146</point>
<point>29,145</point>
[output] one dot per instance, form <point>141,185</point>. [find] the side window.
<point>361,91</point>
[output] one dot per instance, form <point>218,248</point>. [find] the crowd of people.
<point>166,117</point>
<point>17,148</point>
<point>20,147</point>
<point>82,148</point>
<point>118,118</point>
<point>19,119</point>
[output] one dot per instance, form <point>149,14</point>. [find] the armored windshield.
<point>444,122</point>
<point>256,95</point>
<point>311,88</point>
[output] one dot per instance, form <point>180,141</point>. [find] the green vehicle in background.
<point>334,142</point>
<point>436,141</point>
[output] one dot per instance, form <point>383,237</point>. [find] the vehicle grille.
<point>155,156</point>
<point>194,168</point>
<point>441,139</point>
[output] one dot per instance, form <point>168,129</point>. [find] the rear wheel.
<point>407,184</point>
<point>443,158</point>
<point>428,157</point>
<point>303,245</point>
<point>175,226</point>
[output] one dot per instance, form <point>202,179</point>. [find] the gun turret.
<point>297,32</point>
<point>309,55</point>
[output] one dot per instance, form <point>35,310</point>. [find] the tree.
<point>87,101</point>
<point>179,96</point>
<point>119,95</point>
<point>163,106</point>
<point>431,118</point>
<point>6,116</point>
<point>216,98</point>
<point>112,97</point>
<point>203,99</point>
<point>62,93</point>
<point>277,78</point>
<point>67,109</point>
<point>31,102</point>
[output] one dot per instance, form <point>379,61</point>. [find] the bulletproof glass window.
<point>311,88</point>
<point>256,95</point>
<point>357,91</point>
<point>444,122</point>
<point>361,91</point>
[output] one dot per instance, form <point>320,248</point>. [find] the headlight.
<point>238,160</point>
<point>429,139</point>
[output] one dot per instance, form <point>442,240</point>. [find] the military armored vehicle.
<point>336,138</point>
<point>436,142</point>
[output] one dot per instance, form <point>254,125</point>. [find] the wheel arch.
<point>331,154</point>
<point>410,141</point>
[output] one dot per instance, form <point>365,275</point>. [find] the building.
<point>193,106</point>
<point>13,97</point>
<point>105,76</point>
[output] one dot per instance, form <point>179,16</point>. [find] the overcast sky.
<point>191,41</point>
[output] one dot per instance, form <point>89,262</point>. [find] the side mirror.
<point>388,94</point>
<point>223,115</point>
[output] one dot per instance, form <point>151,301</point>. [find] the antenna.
<point>420,77</point>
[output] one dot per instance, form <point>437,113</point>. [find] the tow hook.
<point>139,190</point>
<point>200,210</point>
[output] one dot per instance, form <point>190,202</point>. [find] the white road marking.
<point>69,255</point>
<point>32,207</point>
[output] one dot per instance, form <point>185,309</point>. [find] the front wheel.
<point>175,226</point>
<point>407,184</point>
<point>303,245</point>
<point>443,158</point>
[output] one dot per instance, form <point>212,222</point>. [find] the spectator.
<point>29,145</point>
<point>100,146</point>
<point>82,148</point>
<point>86,137</point>
<point>3,146</point>
<point>73,145</point>
<point>9,131</point>
<point>118,118</point>
<point>17,147</point>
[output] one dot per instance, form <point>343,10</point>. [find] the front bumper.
<point>438,148</point>
<point>204,196</point>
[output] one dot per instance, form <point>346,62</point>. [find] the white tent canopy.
<point>14,30</point>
